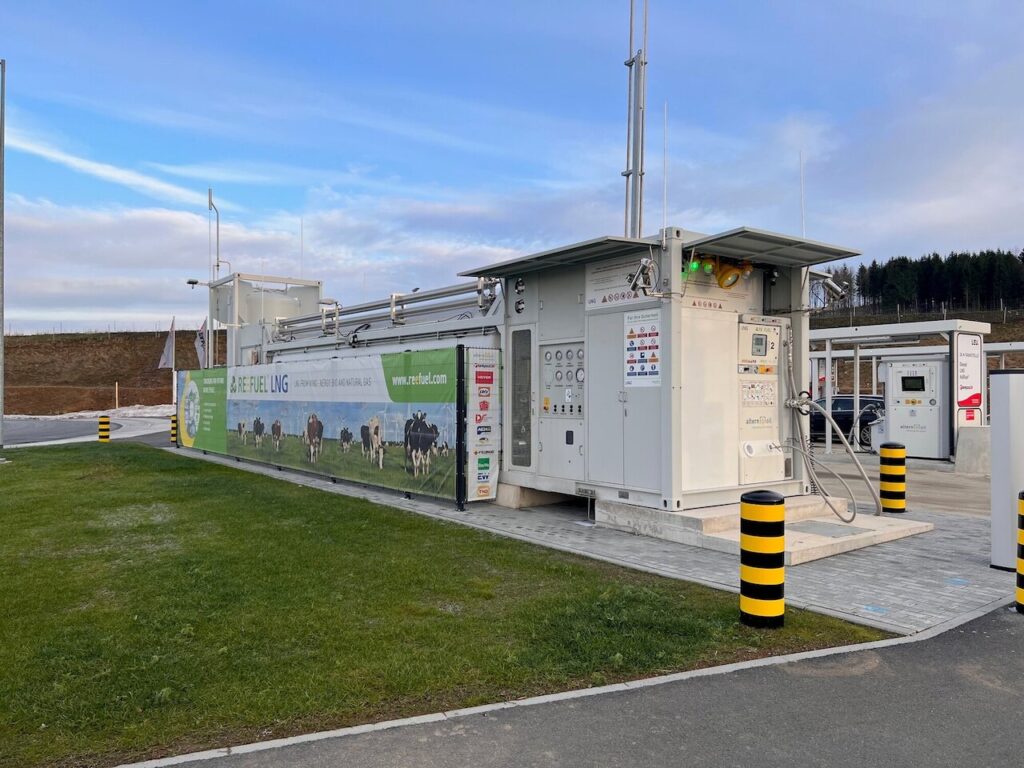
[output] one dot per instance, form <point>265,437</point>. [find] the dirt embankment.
<point>62,373</point>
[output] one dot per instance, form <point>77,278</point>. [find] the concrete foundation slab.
<point>812,531</point>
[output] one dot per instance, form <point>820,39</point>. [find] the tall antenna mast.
<point>636,63</point>
<point>803,227</point>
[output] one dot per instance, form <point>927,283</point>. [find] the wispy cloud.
<point>126,177</point>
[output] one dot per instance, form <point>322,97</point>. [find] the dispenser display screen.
<point>912,383</point>
<point>759,344</point>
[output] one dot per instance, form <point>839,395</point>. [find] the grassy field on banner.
<point>440,481</point>
<point>155,604</point>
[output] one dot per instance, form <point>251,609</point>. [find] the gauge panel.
<point>563,380</point>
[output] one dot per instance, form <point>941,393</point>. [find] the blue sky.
<point>418,139</point>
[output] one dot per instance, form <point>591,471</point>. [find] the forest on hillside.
<point>960,281</point>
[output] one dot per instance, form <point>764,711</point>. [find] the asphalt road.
<point>18,431</point>
<point>954,700</point>
<point>22,431</point>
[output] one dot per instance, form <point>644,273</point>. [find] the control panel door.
<point>761,456</point>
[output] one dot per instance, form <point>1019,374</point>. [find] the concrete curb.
<point>583,693</point>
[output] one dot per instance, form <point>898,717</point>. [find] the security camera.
<point>641,280</point>
<point>835,291</point>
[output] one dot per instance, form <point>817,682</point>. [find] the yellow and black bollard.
<point>762,559</point>
<point>174,429</point>
<point>104,429</point>
<point>1020,552</point>
<point>892,477</point>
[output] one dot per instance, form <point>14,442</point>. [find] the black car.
<point>842,412</point>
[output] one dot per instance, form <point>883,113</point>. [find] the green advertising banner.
<point>202,409</point>
<point>382,419</point>
<point>420,377</point>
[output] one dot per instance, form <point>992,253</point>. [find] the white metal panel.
<point>605,392</point>
<point>1007,391</point>
<point>709,399</point>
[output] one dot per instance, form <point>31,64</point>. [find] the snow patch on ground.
<point>129,411</point>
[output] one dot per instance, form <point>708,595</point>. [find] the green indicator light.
<point>708,268</point>
<point>694,266</point>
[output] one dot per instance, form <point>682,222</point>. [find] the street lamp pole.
<point>3,99</point>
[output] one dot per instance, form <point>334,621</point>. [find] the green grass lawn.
<point>153,604</point>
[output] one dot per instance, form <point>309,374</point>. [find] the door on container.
<point>521,407</point>
<point>605,393</point>
<point>641,434</point>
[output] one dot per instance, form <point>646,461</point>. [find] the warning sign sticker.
<point>607,283</point>
<point>642,348</point>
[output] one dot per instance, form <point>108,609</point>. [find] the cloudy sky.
<point>415,139</point>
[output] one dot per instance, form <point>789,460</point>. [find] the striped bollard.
<point>762,559</point>
<point>892,477</point>
<point>174,429</point>
<point>104,429</point>
<point>1020,552</point>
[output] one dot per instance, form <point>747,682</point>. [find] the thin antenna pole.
<point>664,172</point>
<point>302,245</point>
<point>211,350</point>
<point>643,129</point>
<point>803,227</point>
<point>629,118</point>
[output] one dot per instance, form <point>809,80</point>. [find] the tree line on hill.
<point>969,281</point>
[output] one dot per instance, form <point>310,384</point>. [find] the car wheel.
<point>865,435</point>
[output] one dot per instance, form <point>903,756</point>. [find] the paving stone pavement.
<point>903,586</point>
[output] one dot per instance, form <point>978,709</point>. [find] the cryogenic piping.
<point>484,288</point>
<point>800,404</point>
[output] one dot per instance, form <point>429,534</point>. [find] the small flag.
<point>201,344</point>
<point>167,358</point>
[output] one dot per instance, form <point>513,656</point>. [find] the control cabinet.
<point>761,457</point>
<point>562,409</point>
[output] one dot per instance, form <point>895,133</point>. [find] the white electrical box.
<point>1007,390</point>
<point>761,458</point>
<point>917,410</point>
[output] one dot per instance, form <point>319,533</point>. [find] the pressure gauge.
<point>547,355</point>
<point>558,355</point>
<point>579,374</point>
<point>558,375</point>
